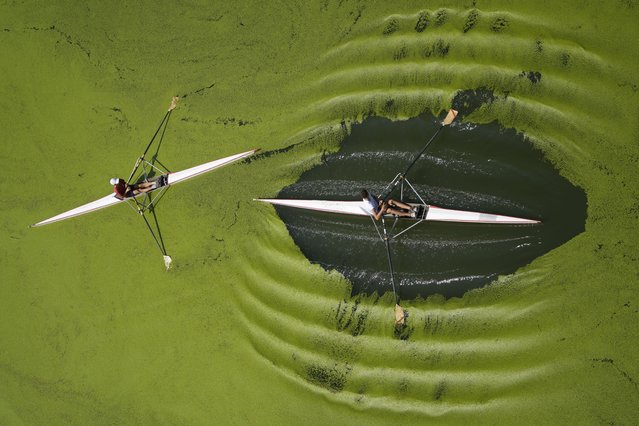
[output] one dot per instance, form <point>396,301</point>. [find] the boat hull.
<point>431,213</point>
<point>172,179</point>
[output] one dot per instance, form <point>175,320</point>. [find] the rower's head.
<point>364,194</point>
<point>114,181</point>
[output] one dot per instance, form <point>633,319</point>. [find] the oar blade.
<point>400,315</point>
<point>450,117</point>
<point>174,102</point>
<point>167,262</point>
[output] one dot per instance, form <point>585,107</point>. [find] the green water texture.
<point>245,329</point>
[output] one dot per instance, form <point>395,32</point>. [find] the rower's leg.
<point>405,209</point>
<point>399,212</point>
<point>400,205</point>
<point>145,186</point>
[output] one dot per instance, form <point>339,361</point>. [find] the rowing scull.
<point>424,211</point>
<point>172,179</point>
<point>145,189</point>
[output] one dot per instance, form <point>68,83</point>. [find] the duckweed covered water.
<point>245,329</point>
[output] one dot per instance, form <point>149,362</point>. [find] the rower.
<point>123,190</point>
<point>377,208</point>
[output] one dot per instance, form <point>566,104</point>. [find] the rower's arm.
<point>379,213</point>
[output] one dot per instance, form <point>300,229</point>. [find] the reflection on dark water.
<point>469,167</point>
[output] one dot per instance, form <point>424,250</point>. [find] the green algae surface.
<point>244,329</point>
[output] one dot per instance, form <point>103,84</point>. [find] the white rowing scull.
<point>172,179</point>
<point>424,211</point>
<point>156,181</point>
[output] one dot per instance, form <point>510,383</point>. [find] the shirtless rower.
<point>376,208</point>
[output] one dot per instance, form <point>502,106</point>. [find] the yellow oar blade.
<point>174,102</point>
<point>400,315</point>
<point>167,262</point>
<point>450,117</point>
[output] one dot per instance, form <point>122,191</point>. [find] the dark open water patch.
<point>469,167</point>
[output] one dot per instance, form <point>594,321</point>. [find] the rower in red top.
<point>123,190</point>
<point>120,188</point>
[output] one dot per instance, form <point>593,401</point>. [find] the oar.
<point>450,117</point>
<point>158,241</point>
<point>400,314</point>
<point>174,102</point>
<point>166,116</point>
<point>158,238</point>
<point>389,258</point>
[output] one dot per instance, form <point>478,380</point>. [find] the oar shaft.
<point>417,157</point>
<point>390,266</point>
<point>389,257</point>
<point>401,176</point>
<point>139,161</point>
<point>166,116</point>
<point>160,246</point>
<point>450,117</point>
